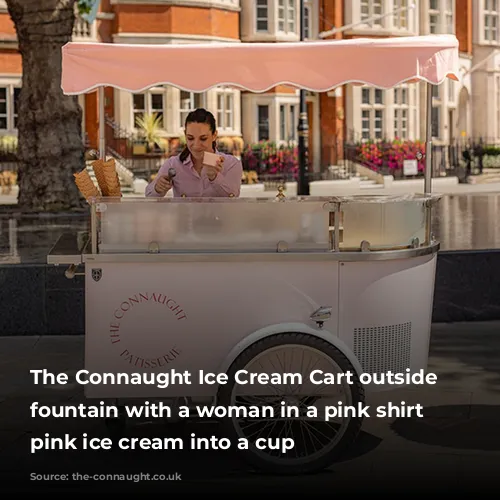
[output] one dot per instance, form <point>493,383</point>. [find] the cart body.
<point>287,285</point>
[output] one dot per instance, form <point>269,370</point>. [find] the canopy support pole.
<point>102,123</point>
<point>428,162</point>
<point>428,141</point>
<point>303,187</point>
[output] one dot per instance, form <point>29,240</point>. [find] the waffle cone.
<point>85,185</point>
<point>98,167</point>
<point>111,178</point>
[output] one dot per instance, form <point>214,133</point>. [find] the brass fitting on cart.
<point>365,246</point>
<point>281,196</point>
<point>70,273</point>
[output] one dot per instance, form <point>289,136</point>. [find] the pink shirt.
<point>189,183</point>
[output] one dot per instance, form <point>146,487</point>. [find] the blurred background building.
<point>143,128</point>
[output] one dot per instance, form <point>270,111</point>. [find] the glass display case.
<point>300,224</point>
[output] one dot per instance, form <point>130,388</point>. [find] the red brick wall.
<point>282,89</point>
<point>11,62</point>
<point>176,19</point>
<point>7,26</point>
<point>463,25</point>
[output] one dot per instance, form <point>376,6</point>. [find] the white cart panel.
<point>143,317</point>
<point>385,313</point>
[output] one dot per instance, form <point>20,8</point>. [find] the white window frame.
<point>436,127</point>
<point>148,105</point>
<point>369,9</point>
<point>286,16</point>
<point>269,120</point>
<point>437,104</point>
<point>226,113</point>
<point>401,109</point>
<point>290,124</point>
<point>401,19</point>
<point>372,109</point>
<point>261,4</point>
<point>490,16</point>
<point>196,100</point>
<point>449,16</point>
<point>10,113</point>
<point>441,20</point>
<point>308,19</point>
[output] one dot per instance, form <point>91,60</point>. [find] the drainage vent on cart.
<point>380,349</point>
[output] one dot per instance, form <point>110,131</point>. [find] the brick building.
<point>352,112</point>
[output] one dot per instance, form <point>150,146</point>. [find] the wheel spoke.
<point>313,436</point>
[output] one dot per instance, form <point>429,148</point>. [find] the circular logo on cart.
<point>137,329</point>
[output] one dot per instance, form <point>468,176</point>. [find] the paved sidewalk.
<point>454,447</point>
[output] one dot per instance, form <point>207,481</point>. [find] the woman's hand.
<point>163,185</point>
<point>213,171</point>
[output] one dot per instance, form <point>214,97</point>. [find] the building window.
<point>441,16</point>
<point>288,122</point>
<point>401,112</point>
<point>225,110</point>
<point>262,15</point>
<point>491,15</point>
<point>401,17</point>
<point>9,106</point>
<point>286,16</point>
<point>17,94</point>
<point>190,101</point>
<point>372,113</point>
<point>157,107</point>
<point>434,16</point>
<point>139,108</point>
<point>307,22</point>
<point>449,17</point>
<point>369,9</point>
<point>4,109</point>
<point>436,122</point>
<point>263,123</point>
<point>148,103</point>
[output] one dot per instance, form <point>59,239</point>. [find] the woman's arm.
<point>150,188</point>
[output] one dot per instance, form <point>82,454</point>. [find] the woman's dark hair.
<point>199,115</point>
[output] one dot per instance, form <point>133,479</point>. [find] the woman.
<point>192,177</point>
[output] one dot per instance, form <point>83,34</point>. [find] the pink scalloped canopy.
<point>317,66</point>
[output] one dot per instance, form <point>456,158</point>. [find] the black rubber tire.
<point>357,396</point>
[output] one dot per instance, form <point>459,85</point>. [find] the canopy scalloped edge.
<point>313,66</point>
<point>235,86</point>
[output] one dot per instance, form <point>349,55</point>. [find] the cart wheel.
<point>116,427</point>
<point>317,443</point>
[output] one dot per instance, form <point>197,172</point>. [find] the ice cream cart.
<point>314,286</point>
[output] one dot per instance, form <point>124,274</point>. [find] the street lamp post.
<point>303,126</point>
